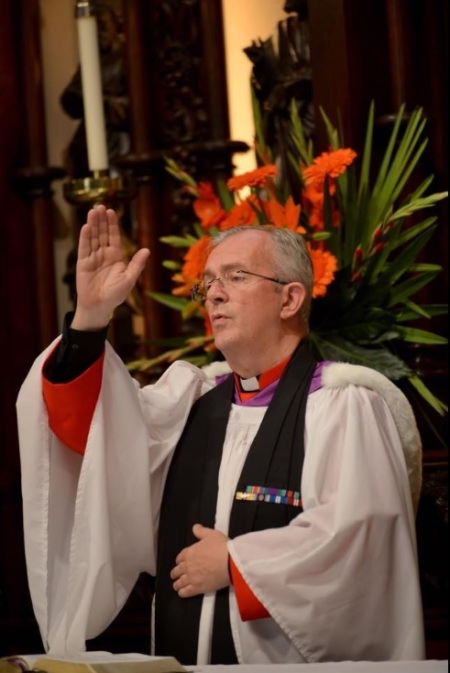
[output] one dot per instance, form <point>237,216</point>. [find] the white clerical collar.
<point>261,381</point>
<point>250,385</point>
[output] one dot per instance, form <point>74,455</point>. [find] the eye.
<point>236,277</point>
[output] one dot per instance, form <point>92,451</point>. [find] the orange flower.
<point>287,216</point>
<point>316,220</point>
<point>329,164</point>
<point>208,207</point>
<point>255,178</point>
<point>206,191</point>
<point>324,265</point>
<point>313,195</point>
<point>313,204</point>
<point>194,263</point>
<point>195,259</point>
<point>241,213</point>
<point>184,290</point>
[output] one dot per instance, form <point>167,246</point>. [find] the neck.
<point>255,363</point>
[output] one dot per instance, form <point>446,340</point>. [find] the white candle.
<point>94,116</point>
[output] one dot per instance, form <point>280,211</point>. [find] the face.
<point>245,318</point>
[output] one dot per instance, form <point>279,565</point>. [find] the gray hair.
<point>291,260</point>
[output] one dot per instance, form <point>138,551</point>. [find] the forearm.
<point>71,383</point>
<point>76,352</point>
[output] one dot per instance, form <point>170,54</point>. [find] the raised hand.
<point>104,277</point>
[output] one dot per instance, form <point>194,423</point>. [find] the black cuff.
<point>77,351</point>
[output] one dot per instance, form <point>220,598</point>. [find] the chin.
<point>222,344</point>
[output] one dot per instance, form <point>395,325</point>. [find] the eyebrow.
<point>227,267</point>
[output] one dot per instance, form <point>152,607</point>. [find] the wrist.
<point>89,320</point>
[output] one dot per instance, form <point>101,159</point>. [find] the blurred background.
<point>176,82</point>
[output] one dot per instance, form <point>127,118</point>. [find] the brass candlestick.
<point>98,188</point>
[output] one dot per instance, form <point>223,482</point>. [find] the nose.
<point>216,291</point>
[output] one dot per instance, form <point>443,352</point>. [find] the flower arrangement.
<point>362,238</point>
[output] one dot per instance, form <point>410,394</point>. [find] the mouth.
<point>218,319</point>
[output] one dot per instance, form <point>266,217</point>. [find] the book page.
<point>151,665</point>
<point>97,662</point>
<point>88,657</point>
<point>168,665</point>
<point>13,664</point>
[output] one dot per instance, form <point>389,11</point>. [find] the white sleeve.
<point>341,580</point>
<point>90,523</point>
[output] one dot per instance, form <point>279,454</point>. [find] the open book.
<point>91,662</point>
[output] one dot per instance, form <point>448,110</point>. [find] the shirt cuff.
<point>71,406</point>
<point>250,608</point>
<point>76,352</point>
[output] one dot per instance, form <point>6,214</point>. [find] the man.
<point>276,509</point>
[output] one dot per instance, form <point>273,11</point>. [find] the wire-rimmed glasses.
<point>229,279</point>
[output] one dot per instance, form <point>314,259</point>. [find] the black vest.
<point>275,459</point>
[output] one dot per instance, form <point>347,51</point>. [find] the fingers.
<point>103,226</point>
<point>84,243</point>
<point>113,229</point>
<point>138,261</point>
<point>200,531</point>
<point>188,591</point>
<point>182,584</point>
<point>92,232</point>
<point>101,230</point>
<point>178,571</point>
<point>179,574</point>
<point>93,222</point>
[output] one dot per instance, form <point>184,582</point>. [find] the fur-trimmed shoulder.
<point>340,374</point>
<point>215,369</point>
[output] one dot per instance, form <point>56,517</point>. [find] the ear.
<point>294,296</point>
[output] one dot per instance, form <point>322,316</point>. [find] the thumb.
<point>138,262</point>
<point>200,531</point>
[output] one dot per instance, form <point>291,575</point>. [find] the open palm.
<point>104,277</point>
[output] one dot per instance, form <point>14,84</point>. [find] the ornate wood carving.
<point>178,104</point>
<point>189,81</point>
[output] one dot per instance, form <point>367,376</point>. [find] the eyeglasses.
<point>230,279</point>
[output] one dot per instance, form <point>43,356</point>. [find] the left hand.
<point>202,567</point>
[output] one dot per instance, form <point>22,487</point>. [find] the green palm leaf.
<point>379,358</point>
<point>412,311</point>
<point>427,395</point>
<point>410,287</point>
<point>177,303</point>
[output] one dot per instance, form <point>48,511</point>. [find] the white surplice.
<point>340,582</point>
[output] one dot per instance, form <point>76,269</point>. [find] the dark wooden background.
<point>392,51</point>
